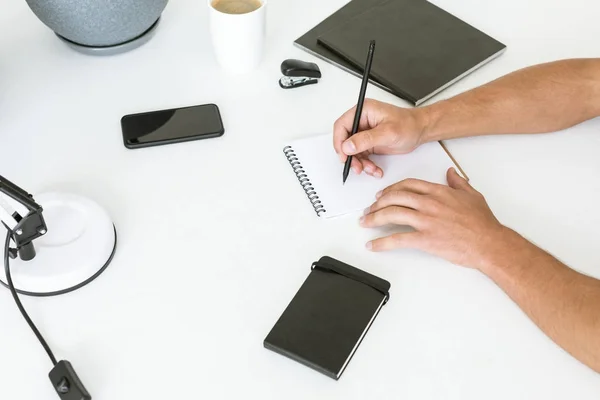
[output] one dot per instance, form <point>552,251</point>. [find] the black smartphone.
<point>175,125</point>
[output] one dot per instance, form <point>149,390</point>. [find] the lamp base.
<point>114,49</point>
<point>79,245</point>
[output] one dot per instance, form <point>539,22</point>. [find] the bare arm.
<point>455,223</point>
<point>564,303</point>
<point>542,98</point>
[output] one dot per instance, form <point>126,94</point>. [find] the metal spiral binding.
<point>304,180</point>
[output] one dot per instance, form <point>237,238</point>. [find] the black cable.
<point>18,301</point>
<point>72,288</point>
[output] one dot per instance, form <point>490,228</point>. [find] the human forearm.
<point>562,302</point>
<point>542,98</point>
<point>454,222</point>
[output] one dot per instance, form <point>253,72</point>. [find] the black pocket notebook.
<point>329,316</point>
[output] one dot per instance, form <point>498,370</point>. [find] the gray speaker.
<point>100,26</point>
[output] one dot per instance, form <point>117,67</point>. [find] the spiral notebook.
<point>319,172</point>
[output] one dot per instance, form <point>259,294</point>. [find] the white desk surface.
<point>216,236</point>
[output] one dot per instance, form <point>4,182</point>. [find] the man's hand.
<point>383,129</point>
<point>542,98</point>
<point>453,222</point>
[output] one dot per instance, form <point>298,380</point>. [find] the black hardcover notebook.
<point>329,316</point>
<point>421,49</point>
<point>308,41</point>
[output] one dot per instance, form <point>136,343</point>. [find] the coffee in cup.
<point>236,6</point>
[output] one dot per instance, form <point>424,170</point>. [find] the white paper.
<point>429,162</point>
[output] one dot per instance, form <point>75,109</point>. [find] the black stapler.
<point>298,73</point>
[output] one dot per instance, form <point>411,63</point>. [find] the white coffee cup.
<point>238,39</point>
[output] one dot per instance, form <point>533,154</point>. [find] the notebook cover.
<point>308,41</point>
<point>421,49</point>
<point>328,317</point>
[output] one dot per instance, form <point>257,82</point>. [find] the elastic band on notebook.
<point>353,276</point>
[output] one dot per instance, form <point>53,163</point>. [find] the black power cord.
<point>13,291</point>
<point>63,377</point>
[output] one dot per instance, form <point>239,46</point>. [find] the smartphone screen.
<point>171,126</point>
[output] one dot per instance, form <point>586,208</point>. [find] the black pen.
<point>361,101</point>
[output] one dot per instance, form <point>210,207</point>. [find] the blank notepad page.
<point>319,173</point>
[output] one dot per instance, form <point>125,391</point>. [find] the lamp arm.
<point>23,229</point>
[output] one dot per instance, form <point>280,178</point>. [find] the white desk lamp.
<point>75,250</point>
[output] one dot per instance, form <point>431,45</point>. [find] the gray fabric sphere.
<point>98,22</point>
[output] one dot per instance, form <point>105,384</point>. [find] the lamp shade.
<point>98,23</point>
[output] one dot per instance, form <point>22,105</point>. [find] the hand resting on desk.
<point>448,220</point>
<point>455,222</point>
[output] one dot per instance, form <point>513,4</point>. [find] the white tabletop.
<point>216,236</point>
